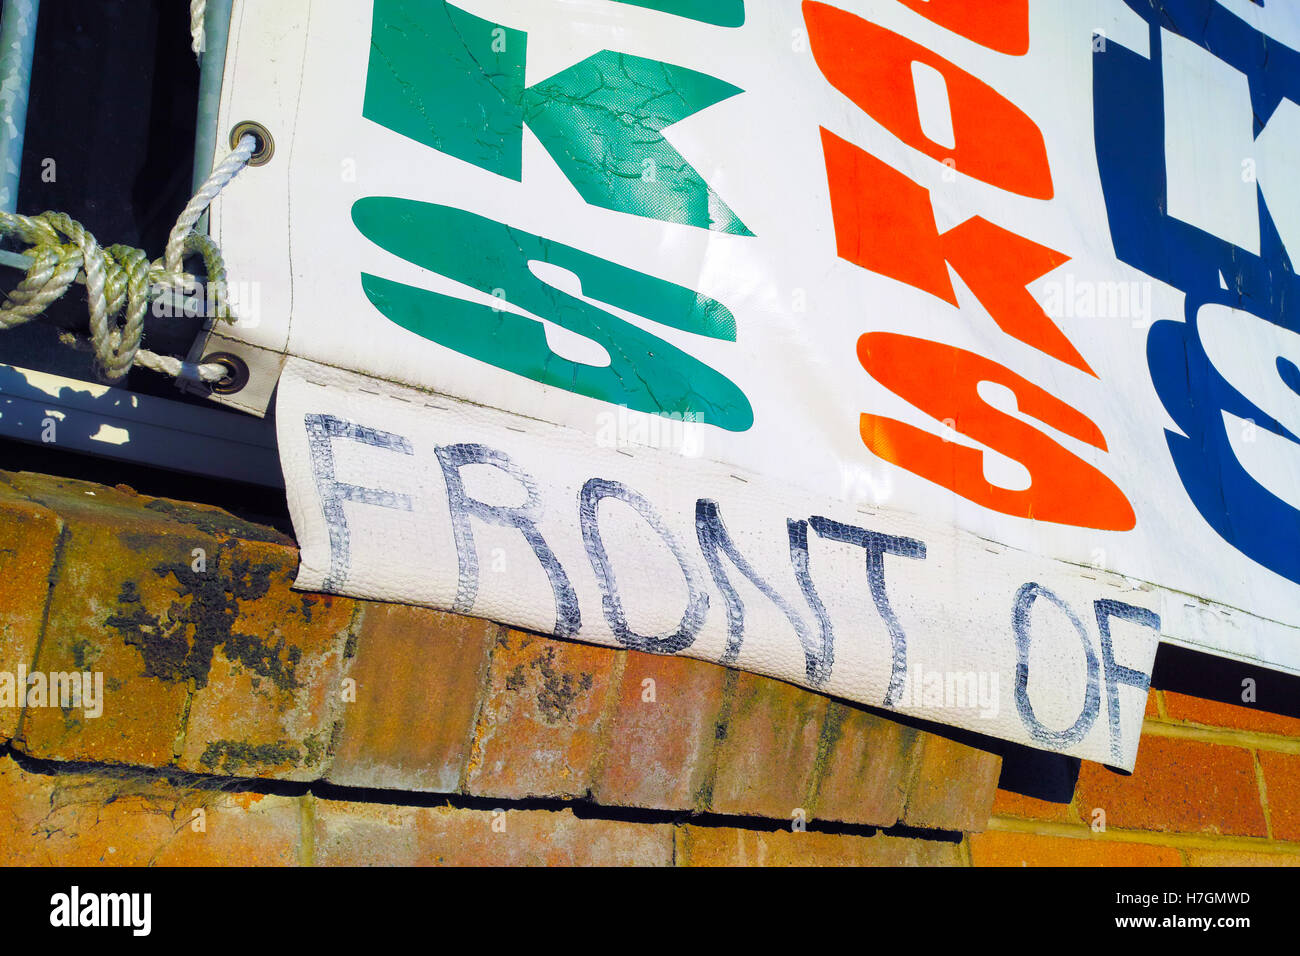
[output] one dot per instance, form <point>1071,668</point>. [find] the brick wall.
<point>245,723</point>
<point>1216,784</point>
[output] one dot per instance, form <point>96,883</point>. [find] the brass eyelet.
<point>237,368</point>
<point>265,144</point>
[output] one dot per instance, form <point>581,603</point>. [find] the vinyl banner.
<point>938,355</point>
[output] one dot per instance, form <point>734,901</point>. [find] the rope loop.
<point>121,282</point>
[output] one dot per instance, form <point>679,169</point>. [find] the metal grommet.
<point>237,368</point>
<point>265,144</point>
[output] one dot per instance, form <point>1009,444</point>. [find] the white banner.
<point>406,496</point>
<point>1008,280</point>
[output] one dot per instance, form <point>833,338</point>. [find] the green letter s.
<point>645,373</point>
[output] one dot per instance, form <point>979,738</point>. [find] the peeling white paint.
<point>111,435</point>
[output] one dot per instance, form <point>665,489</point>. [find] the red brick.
<point>866,767</point>
<point>88,498</point>
<point>1030,849</point>
<point>240,829</point>
<point>660,751</point>
<point>1177,785</point>
<point>1282,786</point>
<point>1153,703</point>
<point>1212,713</point>
<point>1007,803</point>
<point>85,820</point>
<point>359,834</point>
<point>768,759</point>
<point>1240,858</point>
<point>539,729</point>
<point>29,537</point>
<point>419,674</point>
<point>112,549</point>
<point>954,786</point>
<point>724,846</point>
<point>224,656</point>
<point>267,705</point>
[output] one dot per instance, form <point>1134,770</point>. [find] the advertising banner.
<point>937,355</point>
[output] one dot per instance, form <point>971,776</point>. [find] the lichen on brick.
<point>516,680</point>
<point>315,748</point>
<point>216,522</point>
<point>231,756</point>
<point>336,735</point>
<point>84,653</point>
<point>559,689</point>
<point>178,646</point>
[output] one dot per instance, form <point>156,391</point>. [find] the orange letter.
<point>942,381</point>
<point>884,223</point>
<point>997,265</point>
<point>1001,25</point>
<point>883,220</point>
<point>995,141</point>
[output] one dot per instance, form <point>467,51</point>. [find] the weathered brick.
<point>1282,785</point>
<point>1212,713</point>
<point>1240,858</point>
<point>195,632</point>
<point>1177,785</point>
<point>660,750</point>
<point>29,537</point>
<point>267,705</point>
<point>954,786</point>
<point>1031,849</point>
<point>77,819</point>
<point>113,569</point>
<point>60,494</point>
<point>867,761</point>
<point>767,760</point>
<point>724,846</point>
<point>359,834</point>
<point>227,671</point>
<point>539,727</point>
<point>1007,803</point>
<point>419,674</point>
<point>240,829</point>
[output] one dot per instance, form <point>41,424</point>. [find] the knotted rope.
<point>120,275</point>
